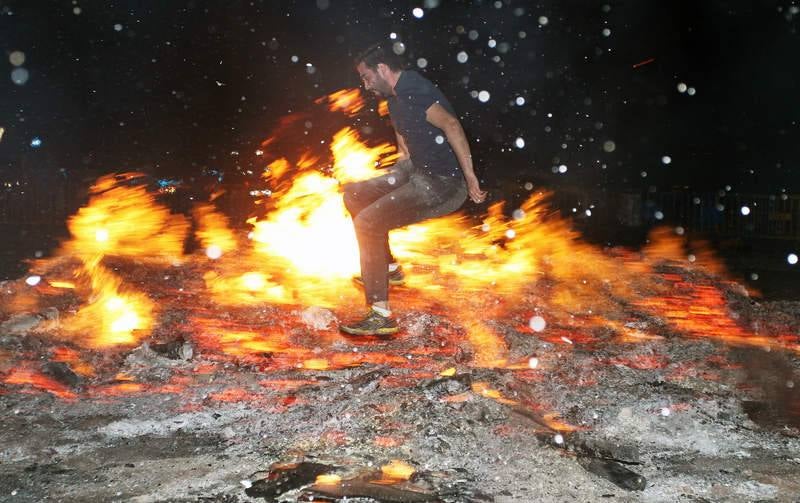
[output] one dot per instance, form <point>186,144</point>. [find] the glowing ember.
<point>397,470</point>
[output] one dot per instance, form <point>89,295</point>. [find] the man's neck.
<point>393,80</point>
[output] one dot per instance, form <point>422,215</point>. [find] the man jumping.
<point>432,177</point>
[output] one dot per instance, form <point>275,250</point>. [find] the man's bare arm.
<point>447,122</point>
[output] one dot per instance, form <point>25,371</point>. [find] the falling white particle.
<point>422,62</point>
<point>294,59</point>
<point>691,258</point>
<point>399,48</point>
<point>754,276</point>
<point>559,439</point>
<point>543,20</point>
<point>246,484</point>
<point>606,32</point>
<point>393,36</point>
<point>101,235</point>
<point>528,185</point>
<point>518,214</point>
<point>609,146</point>
<point>745,210</point>
<point>417,12</point>
<point>682,87</point>
<point>533,362</point>
<point>36,142</point>
<point>566,340</point>
<point>511,234</point>
<point>16,58</point>
<point>537,323</point>
<point>666,159</point>
<point>483,96</point>
<point>691,91</point>
<point>696,200</point>
<point>519,101</point>
<point>492,43</point>
<point>588,213</point>
<point>792,259</point>
<point>391,180</point>
<point>213,252</point>
<point>117,27</point>
<point>462,57</point>
<point>76,10</point>
<point>439,139</point>
<point>643,174</point>
<point>33,280</point>
<point>519,143</point>
<point>486,227</point>
<point>679,230</point>
<point>19,76</point>
<point>562,168</point>
<point>665,411</point>
<point>659,215</point>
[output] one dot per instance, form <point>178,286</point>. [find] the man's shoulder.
<point>414,83</point>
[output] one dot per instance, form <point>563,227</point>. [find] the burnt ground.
<point>639,408</point>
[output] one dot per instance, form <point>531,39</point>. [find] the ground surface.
<point>697,397</point>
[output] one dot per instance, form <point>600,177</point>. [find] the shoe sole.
<point>392,282</point>
<point>380,331</point>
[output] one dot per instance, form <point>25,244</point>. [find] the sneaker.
<point>396,278</point>
<point>373,324</point>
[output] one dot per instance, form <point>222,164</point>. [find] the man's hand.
<point>474,189</point>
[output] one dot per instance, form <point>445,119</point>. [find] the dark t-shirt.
<point>427,145</point>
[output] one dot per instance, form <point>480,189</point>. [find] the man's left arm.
<point>447,122</point>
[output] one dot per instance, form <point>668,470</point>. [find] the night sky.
<point>178,87</point>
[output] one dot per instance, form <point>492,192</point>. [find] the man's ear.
<point>382,68</point>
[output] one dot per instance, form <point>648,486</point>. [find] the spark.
<point>645,62</point>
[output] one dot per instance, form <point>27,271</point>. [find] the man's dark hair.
<point>379,53</point>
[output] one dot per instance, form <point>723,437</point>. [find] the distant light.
<point>462,57</point>
<point>682,87</point>
<point>213,252</point>
<point>666,159</point>
<point>33,280</point>
<point>543,20</point>
<point>36,142</point>
<point>19,76</point>
<point>519,101</point>
<point>606,32</point>
<point>519,143</point>
<point>17,58</point>
<point>422,62</point>
<point>792,259</point>
<point>417,12</point>
<point>745,210</point>
<point>117,27</point>
<point>483,96</point>
<point>562,168</point>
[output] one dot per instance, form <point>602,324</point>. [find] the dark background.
<point>181,88</point>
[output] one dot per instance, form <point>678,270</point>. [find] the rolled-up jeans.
<point>401,197</point>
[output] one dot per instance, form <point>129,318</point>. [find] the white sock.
<point>382,311</point>
<point>393,266</point>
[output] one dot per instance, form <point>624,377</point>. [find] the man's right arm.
<point>401,147</point>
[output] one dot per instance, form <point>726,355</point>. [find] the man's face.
<point>374,80</point>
